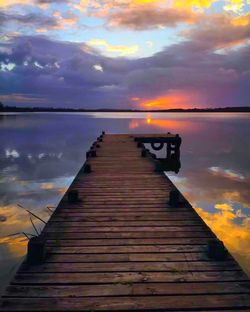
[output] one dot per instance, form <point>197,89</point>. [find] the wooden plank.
<point>128,249</point>
<point>129,303</point>
<point>127,277</point>
<point>167,215</point>
<point>175,266</point>
<point>184,223</point>
<point>123,257</point>
<point>54,228</point>
<point>98,235</point>
<point>145,289</point>
<point>126,241</point>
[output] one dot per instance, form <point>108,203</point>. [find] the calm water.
<point>41,153</point>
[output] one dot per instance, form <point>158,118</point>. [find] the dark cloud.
<point>32,19</point>
<point>63,74</point>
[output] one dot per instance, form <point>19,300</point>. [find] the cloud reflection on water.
<point>41,153</point>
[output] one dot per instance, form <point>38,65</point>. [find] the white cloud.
<point>98,67</point>
<point>121,50</point>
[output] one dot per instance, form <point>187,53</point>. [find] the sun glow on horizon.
<point>173,99</point>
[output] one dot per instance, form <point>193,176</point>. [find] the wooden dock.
<point>124,239</point>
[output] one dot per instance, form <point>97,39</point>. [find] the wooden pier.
<point>124,239</point>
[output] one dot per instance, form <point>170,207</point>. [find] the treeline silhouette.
<point>241,109</point>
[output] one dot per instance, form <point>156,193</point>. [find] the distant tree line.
<point>242,109</point>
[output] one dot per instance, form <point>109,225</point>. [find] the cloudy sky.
<point>125,53</point>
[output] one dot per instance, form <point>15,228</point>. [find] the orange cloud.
<point>6,3</point>
<point>194,4</point>
<point>151,16</point>
<point>220,31</point>
<point>242,20</point>
<point>173,99</point>
<point>236,237</point>
<point>16,245</point>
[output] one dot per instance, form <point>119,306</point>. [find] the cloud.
<point>236,236</point>
<point>220,31</point>
<point>150,43</point>
<point>29,20</point>
<point>98,67</point>
<point>19,98</point>
<point>61,73</point>
<point>65,20</point>
<point>224,207</point>
<point>235,6</point>
<point>9,3</point>
<point>141,18</point>
<point>172,99</point>
<point>121,50</point>
<point>226,173</point>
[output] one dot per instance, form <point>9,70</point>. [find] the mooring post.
<point>36,250</point>
<point>174,198</point>
<point>144,152</point>
<point>73,196</point>
<point>216,249</point>
<point>87,168</point>
<point>177,146</point>
<point>91,153</point>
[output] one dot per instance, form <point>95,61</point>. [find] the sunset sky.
<point>150,54</point>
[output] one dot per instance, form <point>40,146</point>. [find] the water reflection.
<point>41,153</point>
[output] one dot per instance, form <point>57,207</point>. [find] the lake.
<point>40,153</point>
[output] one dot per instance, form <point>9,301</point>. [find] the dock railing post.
<point>36,250</point>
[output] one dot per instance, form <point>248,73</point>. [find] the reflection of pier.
<point>172,143</point>
<point>123,238</point>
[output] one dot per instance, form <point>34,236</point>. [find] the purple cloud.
<point>63,74</point>
<point>32,19</point>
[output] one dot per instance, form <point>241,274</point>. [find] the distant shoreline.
<point>13,109</point>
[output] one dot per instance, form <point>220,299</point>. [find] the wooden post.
<point>36,250</point>
<point>158,166</point>
<point>177,146</point>
<point>87,168</point>
<point>143,153</point>
<point>174,198</point>
<point>73,196</point>
<point>216,249</point>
